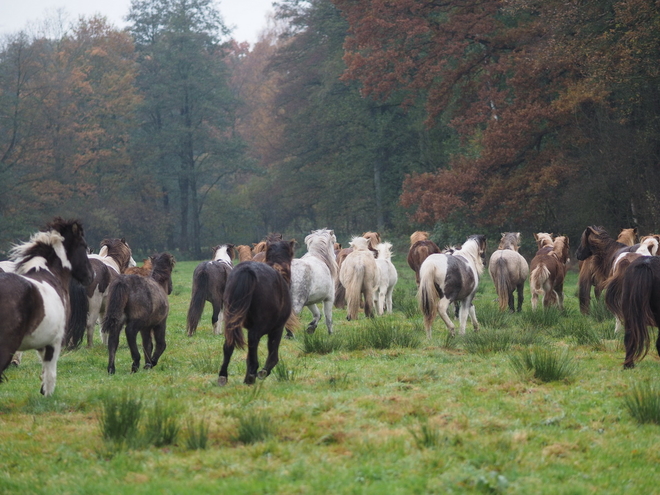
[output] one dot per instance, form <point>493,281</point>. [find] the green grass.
<point>643,403</point>
<point>383,415</point>
<point>545,364</point>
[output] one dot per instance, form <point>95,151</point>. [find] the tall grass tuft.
<point>319,343</point>
<point>197,434</point>
<point>406,303</point>
<point>491,317</point>
<point>598,310</point>
<point>488,341</point>
<point>120,419</point>
<point>426,436</point>
<point>283,373</point>
<point>253,427</point>
<point>381,333</point>
<point>541,318</point>
<point>206,360</point>
<point>643,403</point>
<point>581,329</point>
<point>543,363</point>
<point>162,425</point>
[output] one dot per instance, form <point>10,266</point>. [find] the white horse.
<point>313,278</point>
<point>446,278</point>
<point>509,271</point>
<point>359,275</point>
<point>388,277</point>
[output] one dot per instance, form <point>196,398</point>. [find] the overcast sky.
<point>247,16</point>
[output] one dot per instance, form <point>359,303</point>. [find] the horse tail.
<point>428,293</point>
<point>79,304</point>
<point>538,278</point>
<point>584,286</point>
<point>238,298</point>
<point>200,291</point>
<point>502,283</point>
<point>354,290</point>
<point>636,310</point>
<point>114,314</point>
<point>340,295</point>
<point>614,289</point>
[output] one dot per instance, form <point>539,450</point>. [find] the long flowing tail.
<point>76,327</point>
<point>354,290</point>
<point>538,278</point>
<point>238,297</point>
<point>200,291</point>
<point>614,288</point>
<point>636,310</point>
<point>428,293</point>
<point>584,286</point>
<point>503,285</point>
<point>114,313</point>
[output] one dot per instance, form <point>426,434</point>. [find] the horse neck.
<point>222,255</point>
<point>559,249</point>
<point>108,260</point>
<point>284,269</point>
<point>469,252</point>
<point>327,255</point>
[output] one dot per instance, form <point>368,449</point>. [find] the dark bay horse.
<point>420,249</point>
<point>547,273</point>
<point>209,281</point>
<point>34,300</point>
<point>592,277</point>
<point>141,304</point>
<point>257,297</point>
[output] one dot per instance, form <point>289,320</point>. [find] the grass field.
<point>377,408</point>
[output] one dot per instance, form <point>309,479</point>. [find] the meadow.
<point>533,403</point>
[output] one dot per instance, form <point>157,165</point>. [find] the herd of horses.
<point>53,291</point>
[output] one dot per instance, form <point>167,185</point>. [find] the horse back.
<point>419,251</point>
<point>146,299</point>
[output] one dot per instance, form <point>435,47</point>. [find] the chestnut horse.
<point>420,248</point>
<point>590,277</point>
<point>548,270</point>
<point>144,270</point>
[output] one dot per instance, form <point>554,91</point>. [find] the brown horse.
<point>144,270</point>
<point>209,281</point>
<point>420,249</point>
<point>141,304</point>
<point>548,270</point>
<point>340,291</point>
<point>244,253</point>
<point>590,277</point>
<point>258,298</point>
<point>509,271</point>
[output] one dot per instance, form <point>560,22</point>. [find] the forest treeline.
<point>456,117</point>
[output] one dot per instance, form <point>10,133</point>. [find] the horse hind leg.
<point>49,356</point>
<point>311,328</point>
<point>159,337</point>
<point>132,329</point>
<point>521,296</point>
<point>216,318</point>
<point>327,311</point>
<point>227,351</point>
<point>274,338</point>
<point>252,360</point>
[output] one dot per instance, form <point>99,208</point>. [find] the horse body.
<point>548,270</point>
<point>373,239</point>
<point>244,253</point>
<point>591,275</point>
<point>420,249</point>
<point>209,281</point>
<point>313,278</point>
<point>142,305</point>
<point>34,299</point>
<point>388,278</point>
<point>509,270</point>
<point>258,298</point>
<point>359,276</point>
<point>447,278</point>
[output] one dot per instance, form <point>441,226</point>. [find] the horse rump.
<point>238,297</point>
<point>200,294</point>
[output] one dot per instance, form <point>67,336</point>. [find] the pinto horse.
<point>313,278</point>
<point>209,281</point>
<point>446,278</point>
<point>509,271</point>
<point>258,298</point>
<point>589,276</point>
<point>548,270</point>
<point>420,249</point>
<point>34,299</point>
<point>141,304</point>
<point>359,276</point>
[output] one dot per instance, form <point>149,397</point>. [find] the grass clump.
<point>381,333</point>
<point>206,360</point>
<point>489,341</point>
<point>541,318</point>
<point>284,373</point>
<point>319,343</point>
<point>162,425</point>
<point>543,364</point>
<point>252,428</point>
<point>120,419</point>
<point>581,330</point>
<point>491,317</point>
<point>598,310</point>
<point>197,434</point>
<point>643,403</point>
<point>426,436</point>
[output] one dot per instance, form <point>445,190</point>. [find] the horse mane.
<point>279,255</point>
<point>420,235</point>
<point>326,252</point>
<point>628,236</point>
<point>384,251</point>
<point>38,251</point>
<point>118,250</point>
<point>474,247</point>
<point>360,243</point>
<point>510,240</point>
<point>543,239</point>
<point>560,248</point>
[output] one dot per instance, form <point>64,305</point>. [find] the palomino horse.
<point>543,239</point>
<point>590,277</point>
<point>258,298</point>
<point>313,278</point>
<point>446,278</point>
<point>141,304</point>
<point>613,285</point>
<point>640,307</point>
<point>509,271</point>
<point>548,270</point>
<point>388,278</point>
<point>358,274</point>
<point>113,259</point>
<point>340,291</point>
<point>209,281</point>
<point>420,248</point>
<point>34,299</point>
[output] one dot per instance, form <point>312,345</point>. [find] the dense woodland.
<point>455,116</point>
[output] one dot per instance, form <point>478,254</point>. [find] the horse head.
<point>118,250</point>
<point>561,248</point>
<point>279,255</point>
<point>163,264</point>
<point>420,235</point>
<point>510,240</point>
<point>628,236</point>
<point>384,251</point>
<point>75,248</point>
<point>543,239</point>
<point>593,238</point>
<point>224,252</point>
<point>360,243</point>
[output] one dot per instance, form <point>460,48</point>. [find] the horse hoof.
<point>148,366</point>
<point>222,381</point>
<point>348,318</point>
<point>289,336</point>
<point>310,330</point>
<point>262,374</point>
<point>249,379</point>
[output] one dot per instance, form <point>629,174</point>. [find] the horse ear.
<point>292,244</point>
<point>536,236</point>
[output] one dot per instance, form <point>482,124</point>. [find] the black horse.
<point>258,298</point>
